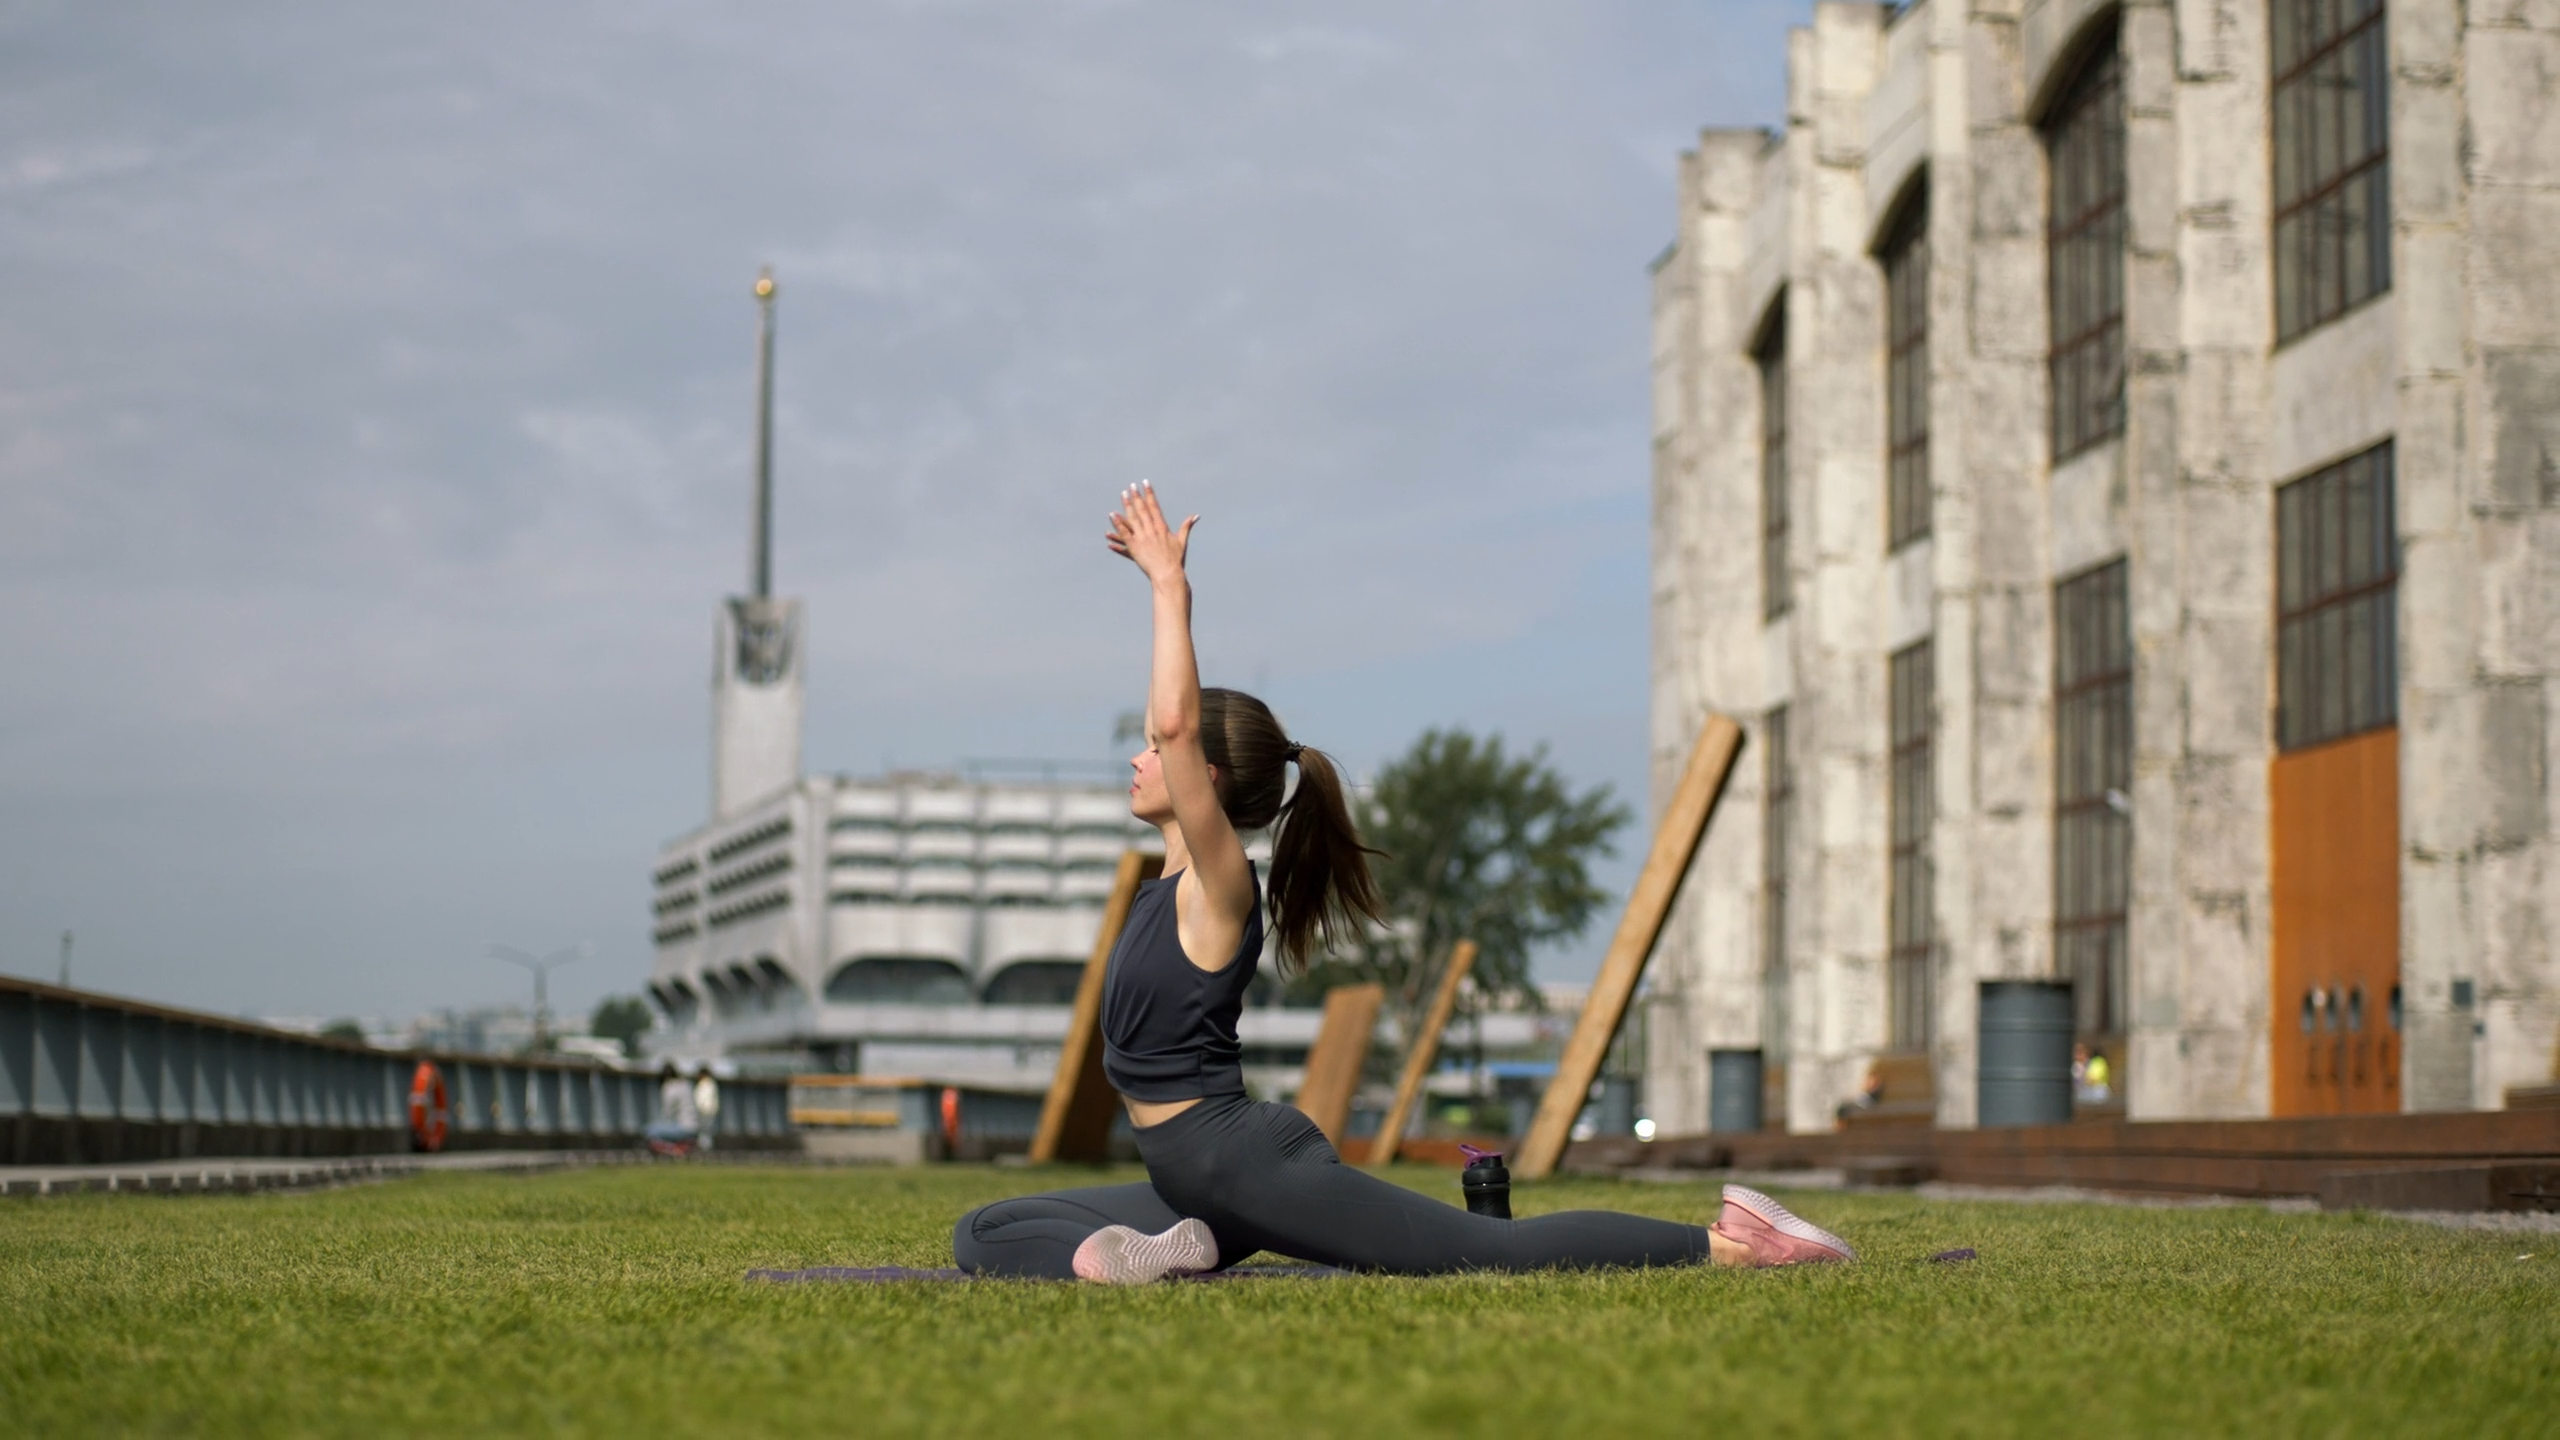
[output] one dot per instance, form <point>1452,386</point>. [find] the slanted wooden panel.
<point>1675,843</point>
<point>1341,1048</point>
<point>1075,1121</point>
<point>1419,1055</point>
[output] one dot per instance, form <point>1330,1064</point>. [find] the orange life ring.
<point>430,1114</point>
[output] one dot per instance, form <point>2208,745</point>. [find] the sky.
<point>376,406</point>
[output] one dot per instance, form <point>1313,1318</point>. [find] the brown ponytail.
<point>1321,889</point>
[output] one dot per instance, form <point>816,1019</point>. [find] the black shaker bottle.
<point>1487,1183</point>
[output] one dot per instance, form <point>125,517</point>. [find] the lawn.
<point>611,1301</point>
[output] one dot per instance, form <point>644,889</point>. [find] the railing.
<point>92,1078</point>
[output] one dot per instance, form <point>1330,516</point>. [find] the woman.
<point>1228,1176</point>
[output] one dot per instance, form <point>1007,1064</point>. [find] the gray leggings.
<point>1264,1178</point>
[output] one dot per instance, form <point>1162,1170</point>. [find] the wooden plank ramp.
<point>1419,1055</point>
<point>1341,1051</point>
<point>1675,843</point>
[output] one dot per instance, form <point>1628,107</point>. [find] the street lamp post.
<point>541,966</point>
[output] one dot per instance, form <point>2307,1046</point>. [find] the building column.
<point>1706,649</point>
<point>1833,635</point>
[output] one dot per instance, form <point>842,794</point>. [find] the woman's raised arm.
<point>1224,883</point>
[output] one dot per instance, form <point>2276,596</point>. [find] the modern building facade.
<point>2110,455</point>
<point>910,924</point>
<point>920,925</point>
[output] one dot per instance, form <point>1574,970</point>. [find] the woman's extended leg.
<point>1036,1235</point>
<point>1264,1177</point>
<point>1337,1214</point>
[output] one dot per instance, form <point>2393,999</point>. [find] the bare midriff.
<point>1143,1113</point>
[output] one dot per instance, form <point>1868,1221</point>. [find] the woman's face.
<point>1148,799</point>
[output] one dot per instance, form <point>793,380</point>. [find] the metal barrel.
<point>1733,1091</point>
<point>2025,1074</point>
<point>1615,1114</point>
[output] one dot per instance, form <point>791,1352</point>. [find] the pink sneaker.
<point>1774,1234</point>
<point>1120,1255</point>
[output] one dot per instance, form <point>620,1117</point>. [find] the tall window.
<point>1775,835</point>
<point>1906,292</point>
<point>2093,783</point>
<point>2337,621</point>
<point>2333,159</point>
<point>1776,594</point>
<point>1912,921</point>
<point>2084,242</point>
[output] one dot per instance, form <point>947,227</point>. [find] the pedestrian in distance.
<point>678,1124</point>
<point>706,1108</point>
<point>1226,1175</point>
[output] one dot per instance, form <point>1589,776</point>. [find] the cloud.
<point>374,421</point>
<point>39,169</point>
<point>1316,42</point>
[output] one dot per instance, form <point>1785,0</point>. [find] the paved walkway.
<point>236,1173</point>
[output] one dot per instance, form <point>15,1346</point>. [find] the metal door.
<point>2335,813</point>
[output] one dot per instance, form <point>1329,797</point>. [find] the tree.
<point>347,1030</point>
<point>622,1017</point>
<point>1483,846</point>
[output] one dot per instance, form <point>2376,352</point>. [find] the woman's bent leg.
<point>1264,1177</point>
<point>1036,1236</point>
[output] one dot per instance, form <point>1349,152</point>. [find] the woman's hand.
<point>1139,531</point>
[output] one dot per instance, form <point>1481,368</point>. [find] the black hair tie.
<point>1294,748</point>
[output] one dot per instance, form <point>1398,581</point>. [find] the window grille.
<point>1776,593</point>
<point>2084,245</point>
<point>2337,619</point>
<point>1912,923</point>
<point>1775,837</point>
<point>2093,785</point>
<point>1906,288</point>
<point>2332,159</point>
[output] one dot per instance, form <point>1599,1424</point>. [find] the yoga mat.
<point>891,1274</point>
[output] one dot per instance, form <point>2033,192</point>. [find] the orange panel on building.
<point>2336,852</point>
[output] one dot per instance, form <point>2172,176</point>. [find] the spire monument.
<point>757,698</point>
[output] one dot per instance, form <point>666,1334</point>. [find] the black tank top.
<point>1168,1026</point>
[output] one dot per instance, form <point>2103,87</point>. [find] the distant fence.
<point>88,1078</point>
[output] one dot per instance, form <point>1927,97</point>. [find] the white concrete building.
<point>913,924</point>
<point>916,925</point>
<point>2109,453</point>
<point>893,925</point>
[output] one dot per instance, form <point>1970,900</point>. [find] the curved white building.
<point>839,916</point>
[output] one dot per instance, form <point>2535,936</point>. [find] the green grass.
<point>612,1301</point>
